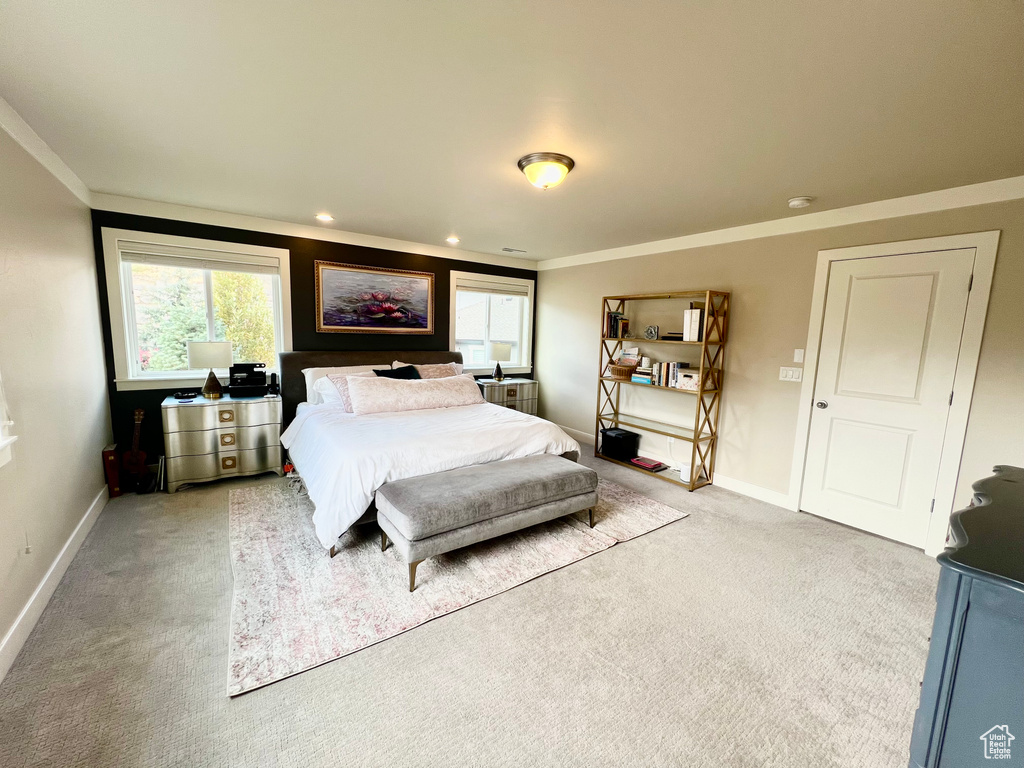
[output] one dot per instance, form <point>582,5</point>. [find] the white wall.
<point>771,280</point>
<point>51,356</point>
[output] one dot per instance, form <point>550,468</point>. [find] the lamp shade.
<point>498,352</point>
<point>209,354</point>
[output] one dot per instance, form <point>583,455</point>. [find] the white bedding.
<point>344,458</point>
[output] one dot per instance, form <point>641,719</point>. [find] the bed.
<point>344,458</point>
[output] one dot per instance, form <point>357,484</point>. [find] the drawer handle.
<point>228,462</point>
<point>228,438</point>
<point>227,415</point>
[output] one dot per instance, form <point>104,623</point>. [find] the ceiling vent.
<point>513,250</point>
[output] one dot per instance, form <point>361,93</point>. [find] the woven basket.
<point>621,372</point>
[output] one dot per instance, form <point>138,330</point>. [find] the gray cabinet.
<point>209,439</point>
<point>518,394</point>
<point>972,695</point>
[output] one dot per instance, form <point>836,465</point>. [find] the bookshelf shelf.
<point>654,386</point>
<point>653,341</point>
<point>702,436</point>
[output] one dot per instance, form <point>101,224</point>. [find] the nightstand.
<point>210,439</point>
<point>518,394</point>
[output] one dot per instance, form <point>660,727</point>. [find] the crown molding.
<point>983,193</point>
<point>140,207</point>
<point>33,143</point>
<point>22,133</point>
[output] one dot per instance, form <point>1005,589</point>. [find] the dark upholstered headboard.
<point>293,384</point>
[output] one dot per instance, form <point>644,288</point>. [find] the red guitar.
<point>133,462</point>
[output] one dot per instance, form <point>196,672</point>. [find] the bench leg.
<point>591,510</point>
<point>412,575</point>
<point>383,542</point>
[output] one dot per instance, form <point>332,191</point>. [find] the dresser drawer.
<point>225,439</point>
<point>196,417</point>
<point>210,466</point>
<point>524,406</point>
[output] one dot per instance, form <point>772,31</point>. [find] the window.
<point>488,308</point>
<point>174,290</point>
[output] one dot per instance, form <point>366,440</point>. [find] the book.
<point>628,356</point>
<point>693,322</point>
<point>616,325</point>
<point>651,465</point>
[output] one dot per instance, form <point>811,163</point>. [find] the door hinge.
<point>970,283</point>
<point>950,398</point>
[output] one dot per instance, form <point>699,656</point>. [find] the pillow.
<point>434,370</point>
<point>405,372</point>
<point>338,384</point>
<point>328,393</point>
<point>383,395</point>
<point>312,374</point>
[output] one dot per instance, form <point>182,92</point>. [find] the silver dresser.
<point>518,394</point>
<point>210,439</point>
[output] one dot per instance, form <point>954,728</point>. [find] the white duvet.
<point>343,458</point>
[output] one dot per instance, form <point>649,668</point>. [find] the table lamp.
<point>499,353</point>
<point>210,354</point>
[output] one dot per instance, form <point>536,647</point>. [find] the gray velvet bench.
<point>433,514</point>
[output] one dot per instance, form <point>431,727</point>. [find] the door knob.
<point>822,404</point>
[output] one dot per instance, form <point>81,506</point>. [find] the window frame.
<point>121,307</point>
<point>526,332</point>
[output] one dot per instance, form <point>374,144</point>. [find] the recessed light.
<point>453,240</point>
<point>324,217</point>
<point>800,202</point>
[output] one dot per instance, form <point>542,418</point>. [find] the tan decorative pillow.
<point>379,395</point>
<point>434,370</point>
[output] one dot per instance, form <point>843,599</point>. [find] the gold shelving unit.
<point>703,435</point>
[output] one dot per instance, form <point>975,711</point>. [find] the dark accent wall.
<point>304,251</point>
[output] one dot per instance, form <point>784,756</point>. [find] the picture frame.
<point>359,299</point>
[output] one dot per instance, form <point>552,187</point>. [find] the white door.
<point>889,344</point>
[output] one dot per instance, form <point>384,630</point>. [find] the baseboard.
<point>755,492</point>
<point>736,486</point>
<point>18,634</point>
<point>583,437</point>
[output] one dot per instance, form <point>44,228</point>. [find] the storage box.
<point>620,444</point>
<point>688,380</point>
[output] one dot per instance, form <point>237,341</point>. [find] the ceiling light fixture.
<point>800,202</point>
<point>453,240</point>
<point>324,217</point>
<point>546,169</point>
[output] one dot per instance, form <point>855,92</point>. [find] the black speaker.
<point>274,388</point>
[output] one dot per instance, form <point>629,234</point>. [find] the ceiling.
<point>405,119</point>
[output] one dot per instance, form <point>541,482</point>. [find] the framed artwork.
<point>352,299</point>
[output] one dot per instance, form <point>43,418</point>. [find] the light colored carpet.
<point>295,608</point>
<point>745,635</point>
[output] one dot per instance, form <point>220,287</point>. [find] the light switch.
<point>791,374</point>
<point>798,355</point>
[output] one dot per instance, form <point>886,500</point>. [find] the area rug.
<point>294,608</point>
